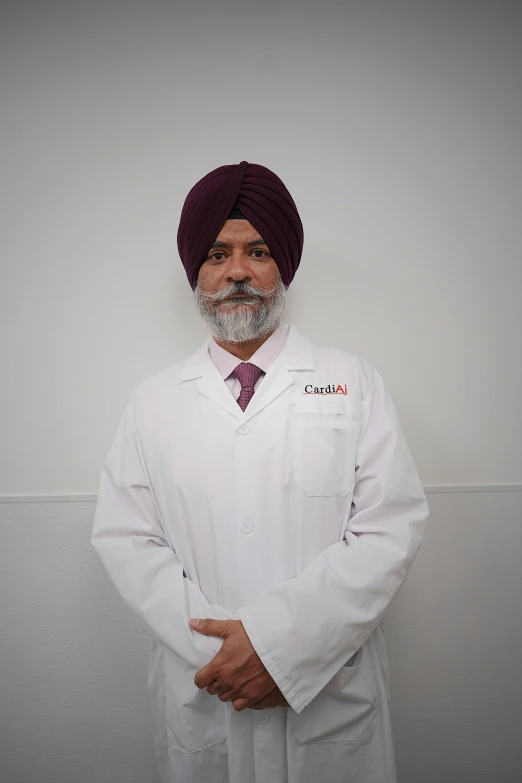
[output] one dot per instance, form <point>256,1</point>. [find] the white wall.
<point>397,128</point>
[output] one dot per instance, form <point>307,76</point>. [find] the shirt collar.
<point>263,358</point>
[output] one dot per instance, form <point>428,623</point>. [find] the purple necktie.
<point>247,374</point>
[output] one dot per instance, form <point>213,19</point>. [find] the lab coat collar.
<point>297,354</point>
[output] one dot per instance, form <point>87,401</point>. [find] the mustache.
<point>246,290</point>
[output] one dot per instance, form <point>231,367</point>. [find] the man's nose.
<point>238,267</point>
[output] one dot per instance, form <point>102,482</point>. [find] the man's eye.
<point>219,253</point>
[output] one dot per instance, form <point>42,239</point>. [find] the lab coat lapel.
<point>297,354</point>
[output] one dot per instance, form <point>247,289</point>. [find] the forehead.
<point>237,229</point>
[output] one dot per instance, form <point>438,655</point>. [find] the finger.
<point>241,704</point>
<point>214,688</point>
<point>223,691</point>
<point>226,696</point>
<point>258,705</point>
<point>205,676</point>
<point>208,673</point>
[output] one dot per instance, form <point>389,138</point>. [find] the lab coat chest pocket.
<point>345,710</point>
<point>326,433</point>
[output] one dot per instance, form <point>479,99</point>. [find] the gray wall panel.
<point>73,662</point>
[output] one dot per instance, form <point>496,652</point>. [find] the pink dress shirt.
<point>264,357</point>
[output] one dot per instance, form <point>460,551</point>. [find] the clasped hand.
<point>236,673</point>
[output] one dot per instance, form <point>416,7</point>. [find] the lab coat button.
<point>263,717</point>
<point>243,429</point>
<point>247,526</point>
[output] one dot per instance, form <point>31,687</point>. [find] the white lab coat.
<point>301,517</point>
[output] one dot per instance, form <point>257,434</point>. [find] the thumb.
<point>210,627</point>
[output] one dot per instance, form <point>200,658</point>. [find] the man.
<point>262,485</point>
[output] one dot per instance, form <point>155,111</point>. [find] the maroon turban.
<point>264,201</point>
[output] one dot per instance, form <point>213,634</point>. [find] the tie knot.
<point>247,374</point>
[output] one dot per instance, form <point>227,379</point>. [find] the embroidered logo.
<point>330,389</point>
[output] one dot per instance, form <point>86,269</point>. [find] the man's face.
<point>239,262</point>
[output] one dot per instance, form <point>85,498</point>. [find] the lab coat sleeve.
<point>130,541</point>
<point>305,629</point>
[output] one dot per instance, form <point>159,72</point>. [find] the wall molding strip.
<point>433,489</point>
